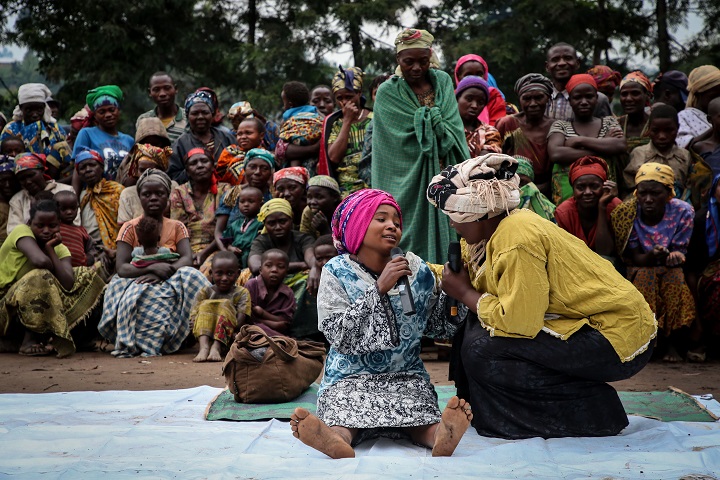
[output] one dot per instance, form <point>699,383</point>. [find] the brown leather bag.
<point>287,368</point>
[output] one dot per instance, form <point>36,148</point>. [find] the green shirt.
<point>13,263</point>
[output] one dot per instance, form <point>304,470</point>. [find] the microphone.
<point>403,284</point>
<point>455,262</point>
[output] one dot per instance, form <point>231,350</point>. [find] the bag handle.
<point>252,336</point>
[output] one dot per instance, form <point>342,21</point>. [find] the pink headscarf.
<point>353,216</point>
<point>471,57</point>
<point>484,116</point>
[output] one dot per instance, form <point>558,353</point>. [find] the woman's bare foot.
<point>455,421</point>
<point>215,354</point>
<point>672,356</point>
<point>314,433</point>
<point>202,355</point>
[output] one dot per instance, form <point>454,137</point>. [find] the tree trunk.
<point>601,39</point>
<point>356,43</point>
<point>252,17</point>
<point>663,35</point>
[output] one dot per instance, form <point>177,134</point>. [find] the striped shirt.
<point>177,126</point>
<point>75,238</point>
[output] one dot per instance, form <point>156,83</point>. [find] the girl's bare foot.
<point>202,355</point>
<point>314,433</point>
<point>455,421</point>
<point>215,354</point>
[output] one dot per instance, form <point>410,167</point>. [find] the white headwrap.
<point>482,187</point>
<point>34,93</point>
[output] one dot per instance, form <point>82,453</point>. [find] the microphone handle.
<point>406,298</point>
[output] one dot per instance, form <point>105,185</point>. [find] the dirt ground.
<point>100,371</point>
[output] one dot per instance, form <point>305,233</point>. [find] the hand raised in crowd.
<point>313,281</point>
<point>609,191</point>
<point>53,242</point>
<point>320,222</point>
<point>350,112</point>
<point>674,259</point>
<point>395,268</point>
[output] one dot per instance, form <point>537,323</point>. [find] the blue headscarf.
<point>7,164</point>
<point>201,96</point>
<point>712,221</point>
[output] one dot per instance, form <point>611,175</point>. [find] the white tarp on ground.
<point>162,434</point>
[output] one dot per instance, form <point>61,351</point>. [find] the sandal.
<point>35,350</point>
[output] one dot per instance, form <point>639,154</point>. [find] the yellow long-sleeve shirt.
<point>538,277</point>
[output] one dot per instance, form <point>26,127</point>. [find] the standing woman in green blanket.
<point>417,131</point>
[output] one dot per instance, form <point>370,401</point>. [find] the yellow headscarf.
<point>273,206</point>
<point>657,172</point>
<point>348,78</point>
<point>700,80</point>
<point>415,38</point>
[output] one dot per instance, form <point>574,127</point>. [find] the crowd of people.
<point>574,221</point>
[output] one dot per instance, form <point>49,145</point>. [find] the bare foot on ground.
<point>455,421</point>
<point>314,433</point>
<point>202,355</point>
<point>215,354</point>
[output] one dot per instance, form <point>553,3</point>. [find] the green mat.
<point>669,406</point>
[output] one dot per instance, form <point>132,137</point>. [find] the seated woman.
<point>374,379</point>
<point>323,197</point>
<point>472,94</point>
<point>587,213</point>
<point>194,203</point>
<point>147,309</point>
<point>291,184</point>
<point>476,65</point>
<point>30,173</point>
<point>40,292</point>
<point>531,197</point>
<point>8,187</point>
<point>141,158</point>
<point>230,165</point>
<point>539,343</point>
<point>99,201</point>
<point>105,138</point>
<point>652,231</point>
<point>303,275</point>
<point>583,136</point>
<point>343,136</point>
<point>635,94</point>
<point>703,264</point>
<point>526,133</point>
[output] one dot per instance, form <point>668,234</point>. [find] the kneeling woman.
<point>39,287</point>
<point>551,322</point>
<point>374,377</point>
<point>147,309</point>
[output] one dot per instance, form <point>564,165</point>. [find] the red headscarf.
<point>580,79</point>
<point>213,179</point>
<point>471,57</point>
<point>588,165</point>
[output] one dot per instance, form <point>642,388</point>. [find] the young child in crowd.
<point>321,97</point>
<point>301,128</point>
<point>243,231</point>
<point>662,129</point>
<point>12,146</point>
<point>74,237</point>
<point>249,135</point>
<point>219,309</point>
<point>147,231</point>
<point>273,303</point>
<point>324,250</point>
<point>709,149</point>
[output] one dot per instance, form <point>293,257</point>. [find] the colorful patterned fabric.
<point>667,294</point>
<point>296,174</point>
<point>532,82</point>
<point>242,109</point>
<point>29,161</point>
<point>348,170</point>
<point>712,221</point>
<point>231,156</point>
<point>160,157</point>
<point>531,198</point>
<point>150,319</point>
<point>215,314</point>
<point>411,144</point>
<point>605,76</point>
<point>104,199</point>
<point>304,128</point>
<point>640,78</point>
<point>350,79</point>
<point>40,137</point>
<point>561,188</point>
<point>373,376</point>
<point>262,154</point>
<point>88,154</point>
<point>7,164</point>
<point>200,220</point>
<point>353,216</point>
<point>482,187</point>
<point>524,167</point>
<point>484,137</point>
<point>580,79</point>
<point>105,95</point>
<point>673,232</point>
<point>515,142</point>
<point>40,304</point>
<point>276,205</point>
<point>199,96</point>
<point>656,172</point>
<point>415,38</point>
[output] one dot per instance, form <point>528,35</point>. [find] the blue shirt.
<point>113,148</point>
